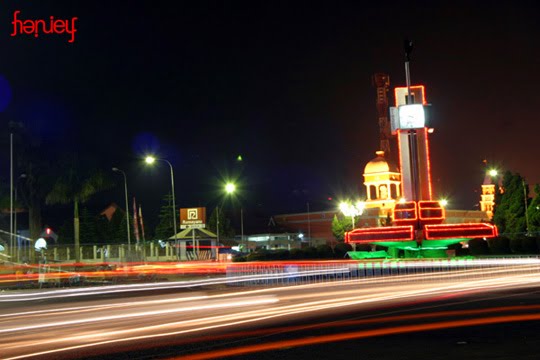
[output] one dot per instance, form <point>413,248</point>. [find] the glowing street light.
<point>493,172</point>
<point>443,202</point>
<point>352,210</point>
<point>151,160</point>
<point>230,188</point>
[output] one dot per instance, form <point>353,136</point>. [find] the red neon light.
<point>428,156</point>
<point>398,132</point>
<point>35,27</point>
<point>378,234</point>
<point>430,210</point>
<point>405,211</point>
<point>414,87</point>
<point>465,230</point>
<point>206,247</point>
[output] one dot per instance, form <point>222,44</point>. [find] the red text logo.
<point>51,26</point>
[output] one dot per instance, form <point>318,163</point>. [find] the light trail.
<point>123,322</point>
<point>218,354</point>
<point>90,291</point>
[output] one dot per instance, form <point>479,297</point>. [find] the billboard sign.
<point>193,218</point>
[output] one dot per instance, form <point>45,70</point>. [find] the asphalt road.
<point>465,314</point>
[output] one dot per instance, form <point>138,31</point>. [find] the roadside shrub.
<point>363,247</point>
<point>324,252</point>
<point>310,253</point>
<point>478,247</point>
<point>524,245</point>
<point>341,249</point>
<point>258,255</point>
<point>297,254</point>
<point>499,245</point>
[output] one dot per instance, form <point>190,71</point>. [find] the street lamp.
<point>22,176</point>
<point>127,208</point>
<point>352,210</point>
<point>230,188</point>
<point>150,160</point>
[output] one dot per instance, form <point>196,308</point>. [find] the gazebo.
<point>196,244</point>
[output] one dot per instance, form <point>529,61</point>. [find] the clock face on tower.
<point>411,116</point>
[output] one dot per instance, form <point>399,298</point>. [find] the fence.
<point>290,273</point>
<point>148,252</point>
<point>99,253</point>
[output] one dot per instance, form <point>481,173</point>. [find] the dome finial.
<point>380,153</point>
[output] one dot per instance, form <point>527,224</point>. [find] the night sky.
<point>287,86</point>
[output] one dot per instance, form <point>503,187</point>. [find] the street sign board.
<point>193,218</point>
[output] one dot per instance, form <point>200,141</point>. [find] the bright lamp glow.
<point>150,159</point>
<point>349,209</point>
<point>493,172</point>
<point>443,202</point>
<point>230,188</point>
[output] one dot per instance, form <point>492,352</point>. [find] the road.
<point>382,317</point>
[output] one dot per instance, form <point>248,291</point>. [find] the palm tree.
<point>76,186</point>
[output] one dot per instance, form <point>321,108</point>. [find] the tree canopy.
<point>509,211</point>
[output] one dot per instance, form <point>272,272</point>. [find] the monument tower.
<point>418,219</point>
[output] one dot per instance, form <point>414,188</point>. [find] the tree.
<point>76,185</point>
<point>65,233</point>
<point>340,225</point>
<point>119,228</point>
<point>509,211</point>
<point>88,227</point>
<point>533,212</point>
<point>165,227</point>
<point>31,160</point>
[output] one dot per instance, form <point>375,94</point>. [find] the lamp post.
<point>127,207</point>
<point>308,224</point>
<point>22,176</point>
<point>11,243</point>
<point>230,188</point>
<point>526,207</point>
<point>150,160</point>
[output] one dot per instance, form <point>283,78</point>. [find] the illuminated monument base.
<point>418,231</point>
<point>408,249</point>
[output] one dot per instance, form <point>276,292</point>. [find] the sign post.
<point>192,218</point>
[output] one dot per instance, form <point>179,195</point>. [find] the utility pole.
<point>526,207</point>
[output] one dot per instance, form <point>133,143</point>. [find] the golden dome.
<point>380,165</point>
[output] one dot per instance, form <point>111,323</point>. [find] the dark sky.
<point>287,86</point>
